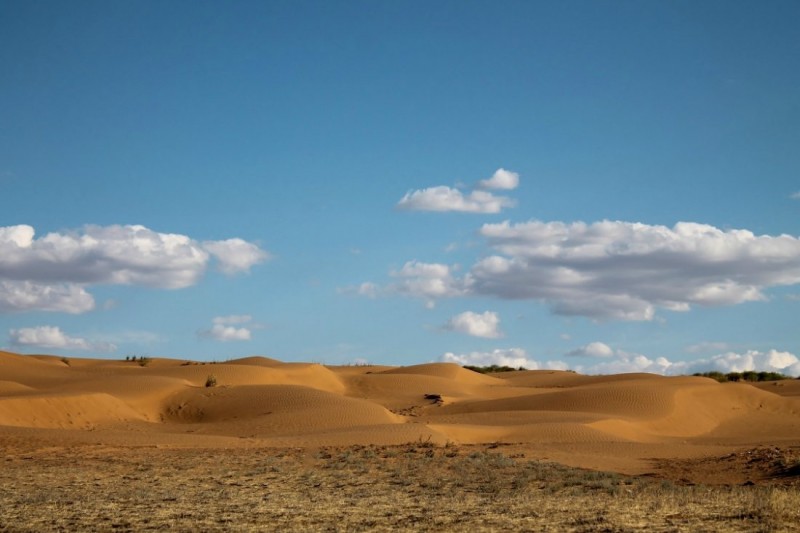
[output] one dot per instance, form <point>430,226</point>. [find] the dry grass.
<point>406,488</point>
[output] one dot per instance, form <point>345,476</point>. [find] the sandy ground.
<point>626,423</point>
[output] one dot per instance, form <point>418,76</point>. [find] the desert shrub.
<point>770,376</point>
<point>211,381</point>
<point>144,361</point>
<point>748,375</point>
<point>492,369</point>
<point>718,376</point>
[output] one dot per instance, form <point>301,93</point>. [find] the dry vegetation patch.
<point>363,488</point>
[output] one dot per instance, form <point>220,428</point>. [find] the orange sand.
<point>618,422</point>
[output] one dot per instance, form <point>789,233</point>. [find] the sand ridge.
<point>621,421</point>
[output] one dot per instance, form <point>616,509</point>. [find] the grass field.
<point>412,487</point>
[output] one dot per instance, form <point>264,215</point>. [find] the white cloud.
<point>224,328</point>
<point>593,349</point>
<point>430,281</point>
<point>795,196</point>
<point>51,337</point>
<point>612,270</point>
<point>21,235</point>
<point>50,273</point>
<point>366,289</point>
<point>621,362</point>
<point>625,271</point>
<point>624,362</point>
<point>443,198</point>
<point>752,360</point>
<point>222,333</point>
<point>370,290</point>
<point>501,179</point>
<point>235,255</point>
<point>20,296</point>
<point>512,357</point>
<point>478,325</point>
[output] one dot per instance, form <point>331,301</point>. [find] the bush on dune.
<point>749,376</point>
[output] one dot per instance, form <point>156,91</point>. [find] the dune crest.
<point>445,370</point>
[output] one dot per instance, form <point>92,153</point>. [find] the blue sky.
<point>604,186</point>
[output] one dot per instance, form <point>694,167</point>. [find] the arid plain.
<point>256,443</point>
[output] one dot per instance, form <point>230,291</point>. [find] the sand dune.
<point>620,421</point>
<point>270,410</point>
<point>446,371</point>
<point>64,411</point>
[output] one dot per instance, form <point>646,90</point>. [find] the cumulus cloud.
<point>593,349</point>
<point>19,296</point>
<point>51,337</point>
<point>366,289</point>
<point>430,281</point>
<point>484,325</point>
<point>235,255</point>
<point>501,179</point>
<point>751,360</point>
<point>218,332</point>
<point>50,273</point>
<point>370,290</point>
<point>512,357</point>
<point>624,362</point>
<point>443,198</point>
<point>625,271</point>
<point>225,328</point>
<point>613,270</point>
<point>621,362</point>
